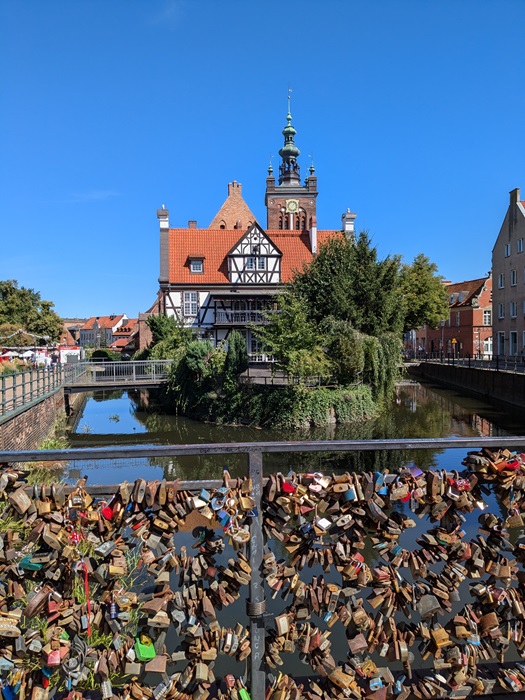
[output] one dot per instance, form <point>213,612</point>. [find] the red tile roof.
<point>469,288</point>
<point>103,322</point>
<point>215,244</point>
<point>127,329</point>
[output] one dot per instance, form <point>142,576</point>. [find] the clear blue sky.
<point>413,111</point>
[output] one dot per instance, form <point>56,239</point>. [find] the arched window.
<point>222,225</point>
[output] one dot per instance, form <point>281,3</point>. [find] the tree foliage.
<point>293,338</point>
<point>169,338</point>
<point>347,281</point>
<point>27,311</point>
<point>236,356</point>
<point>425,297</point>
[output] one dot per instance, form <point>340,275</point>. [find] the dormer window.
<point>196,264</point>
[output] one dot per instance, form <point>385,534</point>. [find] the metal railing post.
<point>257,602</point>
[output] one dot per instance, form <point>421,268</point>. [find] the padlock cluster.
<point>90,589</point>
<point>394,606</point>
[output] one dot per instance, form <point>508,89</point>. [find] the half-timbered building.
<point>223,277</point>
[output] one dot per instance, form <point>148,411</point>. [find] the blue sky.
<point>413,111</point>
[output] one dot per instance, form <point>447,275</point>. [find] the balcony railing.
<point>239,317</point>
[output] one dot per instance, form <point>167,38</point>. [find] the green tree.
<point>25,309</point>
<point>293,338</point>
<point>169,338</point>
<point>236,356</point>
<point>346,349</point>
<point>347,281</point>
<point>425,298</point>
<point>166,327</point>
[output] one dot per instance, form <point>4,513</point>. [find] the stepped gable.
<point>234,213</point>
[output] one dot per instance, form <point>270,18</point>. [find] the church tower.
<point>290,206</point>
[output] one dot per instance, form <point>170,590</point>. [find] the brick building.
<point>468,329</point>
<point>221,278</point>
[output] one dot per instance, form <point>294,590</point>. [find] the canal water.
<point>418,410</point>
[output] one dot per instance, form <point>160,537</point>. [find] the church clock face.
<point>292,205</point>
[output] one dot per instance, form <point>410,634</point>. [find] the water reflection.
<point>417,411</point>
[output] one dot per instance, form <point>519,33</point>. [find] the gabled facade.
<point>468,329</point>
<point>98,331</point>
<point>222,277</point>
<point>125,337</point>
<point>508,270</point>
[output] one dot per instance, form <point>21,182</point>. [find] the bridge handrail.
<point>21,389</point>
<point>257,585</point>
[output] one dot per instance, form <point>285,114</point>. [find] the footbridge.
<point>21,390</point>
<point>92,376</point>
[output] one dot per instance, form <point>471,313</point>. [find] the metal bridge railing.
<point>255,452</point>
<point>116,372</point>
<point>21,389</point>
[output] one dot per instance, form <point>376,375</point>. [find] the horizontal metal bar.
<point>267,447</point>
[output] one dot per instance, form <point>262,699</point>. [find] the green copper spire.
<point>289,169</point>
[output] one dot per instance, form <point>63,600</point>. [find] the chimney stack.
<point>514,196</point>
<point>163,217</point>
<point>348,219</point>
<point>192,224</point>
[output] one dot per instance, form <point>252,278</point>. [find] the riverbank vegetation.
<point>334,331</point>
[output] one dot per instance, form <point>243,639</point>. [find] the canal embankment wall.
<point>27,427</point>
<point>493,386</point>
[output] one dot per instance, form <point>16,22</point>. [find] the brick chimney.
<point>192,224</point>
<point>163,217</point>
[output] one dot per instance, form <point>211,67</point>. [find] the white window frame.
<point>190,303</point>
<point>261,263</point>
<point>507,250</point>
<point>513,343</point>
<point>513,278</point>
<point>501,280</point>
<point>487,317</point>
<point>519,245</point>
<point>197,266</point>
<point>501,310</point>
<point>513,309</point>
<point>250,263</point>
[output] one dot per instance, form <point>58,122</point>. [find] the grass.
<point>50,472</point>
<point>10,523</point>
<point>44,473</point>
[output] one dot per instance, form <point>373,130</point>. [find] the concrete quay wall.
<point>503,387</point>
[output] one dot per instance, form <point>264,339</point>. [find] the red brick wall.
<point>28,429</point>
